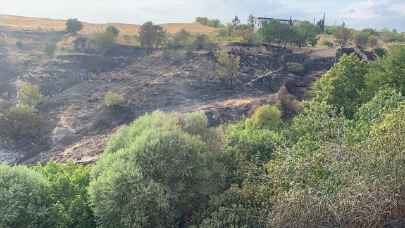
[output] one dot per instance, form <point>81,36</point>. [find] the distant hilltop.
<point>46,24</point>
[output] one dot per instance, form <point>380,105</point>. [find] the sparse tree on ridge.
<point>73,26</point>
<point>151,36</point>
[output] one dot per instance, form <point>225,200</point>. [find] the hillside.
<point>284,125</point>
<point>74,85</point>
<point>44,24</point>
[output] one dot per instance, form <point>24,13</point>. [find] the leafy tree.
<point>361,39</point>
<point>24,199</point>
<point>20,124</point>
<point>68,190</point>
<point>227,67</point>
<point>236,21</point>
<point>373,112</point>
<point>29,95</point>
<point>266,117</point>
<point>342,36</point>
<point>171,173</point>
<point>180,39</point>
<point>73,26</point>
<point>209,22</point>
<point>151,36</point>
<point>112,30</point>
<point>248,143</point>
<point>344,85</point>
<point>246,206</point>
<point>251,21</point>
<point>306,33</point>
<point>276,32</point>
<point>388,71</point>
<point>202,42</point>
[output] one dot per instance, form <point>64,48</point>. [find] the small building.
<point>260,21</point>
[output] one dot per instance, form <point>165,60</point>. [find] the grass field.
<point>44,24</point>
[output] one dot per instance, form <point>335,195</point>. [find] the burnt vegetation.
<point>268,123</point>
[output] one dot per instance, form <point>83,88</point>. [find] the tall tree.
<point>151,36</point>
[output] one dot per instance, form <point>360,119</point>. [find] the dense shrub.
<point>227,67</point>
<point>181,39</point>
<point>113,100</point>
<point>29,95</point>
<point>73,26</point>
<point>344,85</point>
<point>171,173</point>
<point>266,116</point>
<point>68,190</point>
<point>388,71</point>
<point>151,36</point>
<point>246,142</point>
<point>25,201</point>
<point>209,22</point>
<point>202,42</point>
<point>20,124</point>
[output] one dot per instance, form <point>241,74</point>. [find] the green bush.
<point>171,174</point>
<point>113,100</point>
<point>247,143</point>
<point>266,116</point>
<point>388,71</point>
<point>202,42</point>
<point>68,188</point>
<point>181,39</point>
<point>73,26</point>
<point>344,86</point>
<point>296,68</point>
<point>25,201</point>
<point>29,95</point>
<point>22,124</point>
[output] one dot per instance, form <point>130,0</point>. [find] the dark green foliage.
<point>68,189</point>
<point>181,39</point>
<point>344,85</point>
<point>25,201</point>
<point>21,124</point>
<point>301,34</point>
<point>372,112</point>
<point>112,30</point>
<point>164,158</point>
<point>380,52</point>
<point>151,36</point>
<point>202,42</point>
<point>388,71</point>
<point>209,22</point>
<point>73,26</point>
<point>245,207</point>
<point>248,141</point>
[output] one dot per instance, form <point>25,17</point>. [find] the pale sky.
<point>356,13</point>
